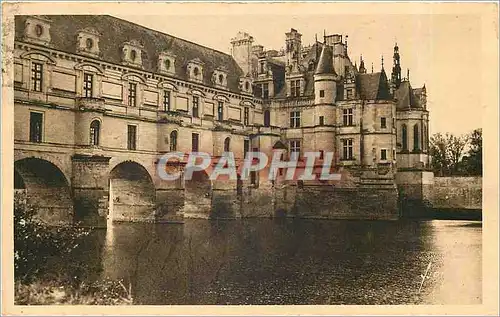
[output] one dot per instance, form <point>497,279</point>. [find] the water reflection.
<point>280,261</point>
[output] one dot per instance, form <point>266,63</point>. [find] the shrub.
<point>37,247</point>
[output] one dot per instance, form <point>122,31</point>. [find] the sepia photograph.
<point>256,154</point>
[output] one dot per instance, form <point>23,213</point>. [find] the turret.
<point>362,68</point>
<point>325,86</point>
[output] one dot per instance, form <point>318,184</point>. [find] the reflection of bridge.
<point>87,186</point>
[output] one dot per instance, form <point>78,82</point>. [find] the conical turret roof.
<point>325,62</point>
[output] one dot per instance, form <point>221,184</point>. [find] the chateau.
<point>98,100</point>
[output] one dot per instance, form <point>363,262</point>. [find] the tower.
<point>293,47</point>
<point>396,69</point>
<point>242,51</point>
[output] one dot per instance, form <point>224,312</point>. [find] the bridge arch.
<point>47,189</point>
<point>132,194</point>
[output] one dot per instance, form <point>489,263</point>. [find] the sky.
<point>442,51</point>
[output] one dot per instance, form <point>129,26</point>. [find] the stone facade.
<point>98,100</point>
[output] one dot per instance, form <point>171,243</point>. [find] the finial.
<point>408,74</point>
<point>346,37</point>
<point>361,58</point>
<point>316,37</point>
<point>372,67</point>
<point>324,36</point>
<point>382,61</point>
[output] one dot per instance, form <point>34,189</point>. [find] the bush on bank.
<point>38,248</point>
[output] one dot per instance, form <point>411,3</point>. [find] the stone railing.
<point>90,103</point>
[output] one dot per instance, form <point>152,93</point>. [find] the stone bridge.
<point>93,186</point>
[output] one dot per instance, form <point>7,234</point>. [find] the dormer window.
<point>219,77</point>
<point>246,85</point>
<point>131,53</point>
<point>37,30</point>
<point>166,63</point>
<point>88,42</point>
<point>195,70</point>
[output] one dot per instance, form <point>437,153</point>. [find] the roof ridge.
<point>163,33</point>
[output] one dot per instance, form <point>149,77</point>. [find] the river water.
<point>285,261</point>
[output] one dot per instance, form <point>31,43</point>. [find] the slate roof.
<point>325,63</point>
<point>114,32</point>
<point>407,97</point>
<point>373,86</point>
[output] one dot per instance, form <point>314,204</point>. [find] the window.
<point>267,118</point>
<point>295,146</point>
<point>221,79</point>
<point>265,91</point>
<point>416,138</point>
<point>132,137</point>
<point>227,143</point>
<point>246,116</point>
<point>348,93</point>
<point>196,106</point>
<point>132,94</point>
<point>246,147</point>
<point>166,100</point>
<point>36,127</point>
<point>95,126</point>
<point>347,149</point>
<point>88,80</point>
<point>321,93</point>
<point>347,116</point>
<point>173,141</point>
<point>295,88</point>
<point>404,137</point>
<point>295,119</point>
<point>393,154</point>
<point>195,138</point>
<point>89,43</point>
<point>133,55</point>
<point>262,68</point>
<point>36,76</point>
<point>383,154</point>
<point>321,154</point>
<point>383,123</point>
<point>220,111</point>
<point>321,120</point>
<point>38,30</point>
<point>196,71</point>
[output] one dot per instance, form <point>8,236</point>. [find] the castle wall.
<point>457,193</point>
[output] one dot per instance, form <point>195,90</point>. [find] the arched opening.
<point>95,128</point>
<point>47,189</point>
<point>198,195</point>
<point>132,195</point>
<point>173,141</point>
<point>227,144</point>
<point>416,138</point>
<point>404,137</point>
<point>267,118</point>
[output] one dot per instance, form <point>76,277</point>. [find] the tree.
<point>473,162</point>
<point>449,155</point>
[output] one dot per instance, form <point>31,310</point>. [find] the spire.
<point>362,68</point>
<point>396,68</point>
<point>325,62</point>
<point>372,67</point>
<point>408,74</point>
